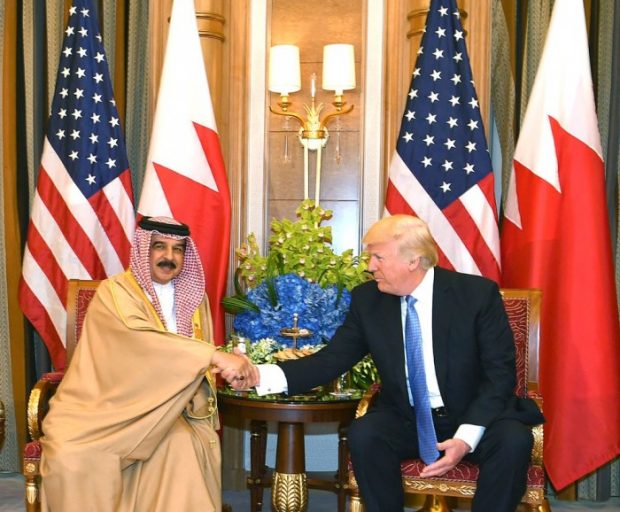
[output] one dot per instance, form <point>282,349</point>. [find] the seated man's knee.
<point>362,434</point>
<point>75,461</point>
<point>514,440</point>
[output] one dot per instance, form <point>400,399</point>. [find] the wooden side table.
<point>289,481</point>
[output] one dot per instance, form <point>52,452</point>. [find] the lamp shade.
<point>338,67</point>
<point>284,75</point>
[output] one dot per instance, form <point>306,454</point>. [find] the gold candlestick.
<point>295,332</point>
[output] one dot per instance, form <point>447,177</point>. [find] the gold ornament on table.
<point>295,331</point>
<point>293,353</point>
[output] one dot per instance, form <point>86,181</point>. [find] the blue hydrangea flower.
<point>319,310</point>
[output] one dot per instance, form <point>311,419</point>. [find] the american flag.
<point>441,170</point>
<point>82,215</point>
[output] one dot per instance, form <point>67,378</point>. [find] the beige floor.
<point>322,501</point>
<point>11,500</point>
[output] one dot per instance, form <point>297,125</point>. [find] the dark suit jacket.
<point>472,344</point>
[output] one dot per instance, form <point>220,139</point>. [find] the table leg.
<point>342,476</point>
<point>258,444</point>
<point>289,492</point>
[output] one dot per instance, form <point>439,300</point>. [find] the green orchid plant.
<point>302,247</point>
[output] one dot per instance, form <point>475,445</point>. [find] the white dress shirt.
<point>165,294</point>
<point>424,307</point>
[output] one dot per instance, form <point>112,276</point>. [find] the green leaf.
<point>236,283</point>
<point>272,293</point>
<point>238,303</point>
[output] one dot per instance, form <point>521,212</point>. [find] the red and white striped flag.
<point>555,236</point>
<point>441,170</point>
<point>82,217</point>
<point>185,176</point>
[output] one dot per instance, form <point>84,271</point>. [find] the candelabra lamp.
<point>285,78</point>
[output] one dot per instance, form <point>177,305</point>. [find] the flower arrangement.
<point>302,278</point>
<point>320,310</point>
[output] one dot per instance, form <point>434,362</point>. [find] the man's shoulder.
<point>369,293</point>
<point>465,290</point>
<point>444,276</point>
<point>114,280</point>
<point>124,298</point>
<point>368,288</point>
<point>123,284</point>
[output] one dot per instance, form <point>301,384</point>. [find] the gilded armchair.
<point>79,295</point>
<point>523,308</point>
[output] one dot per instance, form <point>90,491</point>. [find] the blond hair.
<point>412,234</point>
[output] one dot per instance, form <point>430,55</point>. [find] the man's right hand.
<point>236,368</point>
<point>454,450</point>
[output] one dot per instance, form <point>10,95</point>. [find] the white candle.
<point>318,176</point>
<point>305,168</point>
<point>313,85</point>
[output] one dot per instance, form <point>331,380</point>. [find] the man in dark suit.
<point>468,367</point>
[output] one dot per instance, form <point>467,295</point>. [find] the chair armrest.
<point>537,431</point>
<point>367,399</point>
<point>537,397</point>
<point>38,402</point>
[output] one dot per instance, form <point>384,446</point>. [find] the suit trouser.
<point>382,438</point>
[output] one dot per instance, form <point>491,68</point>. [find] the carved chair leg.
<point>355,504</point>
<point>543,507</point>
<point>342,475</point>
<point>435,504</point>
<point>33,497</point>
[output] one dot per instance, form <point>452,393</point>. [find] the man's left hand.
<point>454,450</point>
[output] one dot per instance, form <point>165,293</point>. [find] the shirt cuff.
<point>470,434</point>
<point>272,380</point>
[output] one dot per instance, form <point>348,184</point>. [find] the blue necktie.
<point>427,439</point>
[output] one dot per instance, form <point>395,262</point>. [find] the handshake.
<point>236,368</point>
